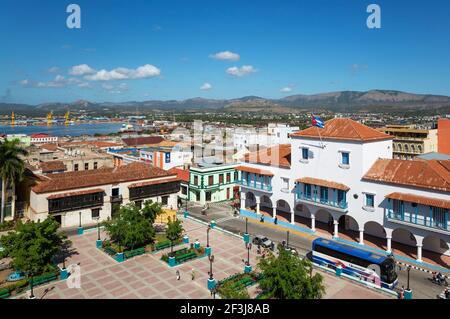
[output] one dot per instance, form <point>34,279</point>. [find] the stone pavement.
<point>147,276</point>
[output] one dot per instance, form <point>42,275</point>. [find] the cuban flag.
<point>316,121</point>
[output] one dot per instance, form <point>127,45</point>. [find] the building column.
<point>419,253</point>
<point>313,222</point>
<point>258,200</point>
<point>292,218</point>
<point>389,241</point>
<point>242,200</point>
<point>336,229</point>
<point>274,213</point>
<point>361,236</point>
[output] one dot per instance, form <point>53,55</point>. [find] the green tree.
<point>12,169</point>
<point>33,245</point>
<point>232,290</point>
<point>288,277</point>
<point>174,231</point>
<point>151,210</point>
<point>130,229</point>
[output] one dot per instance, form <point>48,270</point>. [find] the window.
<point>228,177</point>
<point>184,190</point>
<point>75,167</point>
<point>210,180</point>
<point>95,165</point>
<point>220,179</point>
<point>115,192</point>
<point>208,196</point>
<point>307,190</point>
<point>341,197</point>
<point>304,153</point>
<point>165,200</point>
<point>236,176</point>
<point>95,213</point>
<point>195,180</point>
<point>138,203</point>
<point>86,166</point>
<point>284,184</point>
<point>323,194</point>
<point>370,198</point>
<point>345,159</point>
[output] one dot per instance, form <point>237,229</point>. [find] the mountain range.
<point>342,101</point>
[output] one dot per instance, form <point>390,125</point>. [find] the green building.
<point>212,182</point>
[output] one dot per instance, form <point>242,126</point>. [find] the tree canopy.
<point>130,229</point>
<point>288,277</point>
<point>33,245</point>
<point>231,290</point>
<point>174,231</point>
<point>151,210</point>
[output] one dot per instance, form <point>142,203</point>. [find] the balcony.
<point>71,203</point>
<point>341,206</point>
<point>420,221</point>
<point>256,185</point>
<point>116,199</point>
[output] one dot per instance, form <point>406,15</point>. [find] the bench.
<point>4,293</point>
<point>185,257</point>
<point>135,252</point>
<point>44,279</point>
<point>179,253</point>
<point>110,251</point>
<point>162,245</point>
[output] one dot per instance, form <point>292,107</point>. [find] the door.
<point>58,219</point>
<point>228,193</point>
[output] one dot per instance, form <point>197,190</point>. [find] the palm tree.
<point>12,168</point>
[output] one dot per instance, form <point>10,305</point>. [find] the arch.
<point>419,148</point>
<point>266,204</point>
<point>302,210</point>
<point>435,244</point>
<point>347,222</point>
<point>283,206</point>
<point>324,216</point>
<point>406,148</point>
<point>374,229</point>
<point>413,148</point>
<point>404,236</point>
<point>250,200</point>
<point>399,147</point>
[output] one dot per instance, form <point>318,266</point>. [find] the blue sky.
<point>144,50</point>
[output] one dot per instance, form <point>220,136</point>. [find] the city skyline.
<point>216,51</point>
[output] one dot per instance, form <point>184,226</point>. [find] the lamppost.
<point>247,267</point>
<point>80,229</point>
<point>31,287</point>
<point>99,243</point>
<point>208,249</point>
<point>246,234</point>
<point>407,283</point>
<point>211,281</point>
<point>287,239</point>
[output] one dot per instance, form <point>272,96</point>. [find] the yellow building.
<point>410,141</point>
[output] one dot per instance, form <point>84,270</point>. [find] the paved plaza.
<point>148,277</point>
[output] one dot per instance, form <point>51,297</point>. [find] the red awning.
<point>322,182</point>
<point>254,170</point>
<point>423,200</point>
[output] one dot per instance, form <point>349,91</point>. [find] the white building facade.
<point>344,175</point>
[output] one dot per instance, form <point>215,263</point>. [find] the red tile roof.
<point>81,179</point>
<point>98,144</point>
<point>49,147</point>
<point>343,129</point>
<point>322,182</point>
<point>52,166</point>
<point>40,135</point>
<point>279,156</point>
<point>254,170</point>
<point>89,191</point>
<point>442,203</point>
<point>431,174</point>
<point>155,182</point>
<point>182,174</point>
<point>148,140</point>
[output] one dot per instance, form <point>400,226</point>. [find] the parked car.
<point>263,241</point>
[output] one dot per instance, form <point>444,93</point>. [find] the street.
<point>422,287</point>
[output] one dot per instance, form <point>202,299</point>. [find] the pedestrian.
<point>192,274</point>
<point>275,220</point>
<point>178,275</point>
<point>262,219</point>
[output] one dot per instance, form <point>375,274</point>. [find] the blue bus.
<point>355,262</point>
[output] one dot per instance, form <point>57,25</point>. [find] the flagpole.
<point>318,131</point>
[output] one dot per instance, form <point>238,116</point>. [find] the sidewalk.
<point>308,233</point>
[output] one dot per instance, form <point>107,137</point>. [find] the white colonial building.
<point>344,175</point>
<point>87,196</point>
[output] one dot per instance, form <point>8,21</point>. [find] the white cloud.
<point>81,69</point>
<point>286,89</point>
<point>115,89</point>
<point>225,55</point>
<point>85,85</point>
<point>242,71</point>
<point>206,87</point>
<point>145,71</point>
<point>53,69</point>
<point>58,82</point>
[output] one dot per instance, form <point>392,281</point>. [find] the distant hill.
<point>342,101</point>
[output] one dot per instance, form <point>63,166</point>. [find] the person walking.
<point>192,274</point>
<point>275,220</point>
<point>178,275</point>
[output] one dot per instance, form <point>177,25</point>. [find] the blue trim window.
<point>304,153</point>
<point>345,160</point>
<point>370,200</point>
<point>341,197</point>
<point>323,194</point>
<point>307,190</point>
